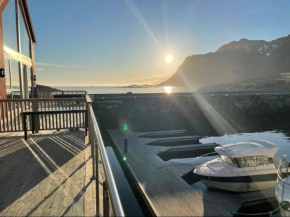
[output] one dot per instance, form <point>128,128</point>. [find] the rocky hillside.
<point>45,88</point>
<point>234,62</point>
<point>261,84</point>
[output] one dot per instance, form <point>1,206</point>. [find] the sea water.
<point>123,90</point>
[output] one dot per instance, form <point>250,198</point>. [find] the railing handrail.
<point>285,164</point>
<point>62,91</point>
<point>43,99</point>
<point>113,192</point>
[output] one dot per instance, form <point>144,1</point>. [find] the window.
<point>15,75</point>
<point>10,26</point>
<point>7,74</point>
<point>24,37</point>
<point>253,161</point>
<point>227,159</point>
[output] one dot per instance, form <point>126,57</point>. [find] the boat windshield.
<point>227,160</point>
<point>253,161</point>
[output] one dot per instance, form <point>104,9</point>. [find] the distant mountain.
<point>261,84</point>
<point>145,81</point>
<point>46,88</point>
<point>234,62</point>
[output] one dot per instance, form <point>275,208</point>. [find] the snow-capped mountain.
<point>234,62</point>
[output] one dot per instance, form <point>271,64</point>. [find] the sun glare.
<point>168,89</point>
<point>168,58</point>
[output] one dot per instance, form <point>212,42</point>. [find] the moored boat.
<point>241,167</point>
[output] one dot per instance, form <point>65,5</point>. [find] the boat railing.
<point>102,171</point>
<point>199,166</point>
<point>283,183</point>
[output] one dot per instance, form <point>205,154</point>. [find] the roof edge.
<point>28,19</point>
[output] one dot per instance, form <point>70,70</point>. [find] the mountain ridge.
<point>233,62</point>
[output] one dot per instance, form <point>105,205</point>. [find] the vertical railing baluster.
<point>46,124</point>
<point>15,119</point>
<point>70,121</point>
<point>97,178</point>
<point>10,115</point>
<point>19,109</point>
<point>73,114</point>
<point>91,140</point>
<point>105,199</point>
<point>55,116</point>
<point>6,117</point>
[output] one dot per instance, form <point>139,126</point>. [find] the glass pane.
<point>29,73</point>
<point>25,81</point>
<point>226,159</point>
<point>15,76</point>
<point>7,74</point>
<point>24,37</point>
<point>9,25</point>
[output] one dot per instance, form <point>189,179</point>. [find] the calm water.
<point>129,201</point>
<point>107,90</point>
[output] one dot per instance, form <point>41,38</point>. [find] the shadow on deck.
<point>46,175</point>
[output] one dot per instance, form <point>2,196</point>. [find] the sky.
<point>116,42</point>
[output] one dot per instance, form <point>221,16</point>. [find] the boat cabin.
<point>248,154</point>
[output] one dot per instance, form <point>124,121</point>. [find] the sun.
<point>168,58</point>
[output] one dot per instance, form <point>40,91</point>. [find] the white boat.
<point>283,188</point>
<point>241,167</point>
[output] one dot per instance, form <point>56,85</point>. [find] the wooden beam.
<point>2,80</point>
<point>3,4</point>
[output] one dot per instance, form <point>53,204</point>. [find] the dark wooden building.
<point>17,40</point>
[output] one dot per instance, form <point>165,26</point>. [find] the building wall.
<point>3,3</point>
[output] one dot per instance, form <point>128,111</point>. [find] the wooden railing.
<point>62,94</point>
<point>11,110</point>
<point>102,171</point>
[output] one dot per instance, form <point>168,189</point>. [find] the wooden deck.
<point>46,175</point>
<point>162,185</point>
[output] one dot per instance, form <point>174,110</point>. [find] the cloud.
<point>39,69</point>
<point>60,66</point>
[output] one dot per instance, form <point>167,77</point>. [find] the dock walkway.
<point>46,175</point>
<point>161,183</point>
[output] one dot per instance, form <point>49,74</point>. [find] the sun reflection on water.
<point>168,89</point>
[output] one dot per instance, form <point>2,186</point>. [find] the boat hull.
<point>241,184</point>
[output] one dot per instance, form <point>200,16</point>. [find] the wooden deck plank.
<point>51,177</point>
<point>89,202</point>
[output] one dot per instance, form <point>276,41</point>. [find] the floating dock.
<point>161,183</point>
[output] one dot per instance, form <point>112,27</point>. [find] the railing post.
<point>36,117</point>
<point>105,199</point>
<point>97,178</point>
<point>91,141</point>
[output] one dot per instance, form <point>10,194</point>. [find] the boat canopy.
<point>251,148</point>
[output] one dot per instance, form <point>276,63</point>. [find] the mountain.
<point>262,84</point>
<point>234,62</point>
<point>46,88</point>
<point>145,81</point>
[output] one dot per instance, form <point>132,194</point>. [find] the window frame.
<point>17,55</point>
